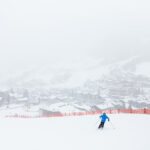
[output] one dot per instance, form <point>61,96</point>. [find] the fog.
<point>41,32</point>
<point>65,56</point>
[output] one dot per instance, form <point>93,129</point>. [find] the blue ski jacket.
<point>103,118</point>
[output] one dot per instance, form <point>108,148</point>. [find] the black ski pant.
<point>101,125</point>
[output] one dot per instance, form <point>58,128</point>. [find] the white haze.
<point>38,33</point>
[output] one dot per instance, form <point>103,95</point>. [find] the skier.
<point>103,120</point>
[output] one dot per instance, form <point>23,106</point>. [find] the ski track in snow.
<point>131,132</point>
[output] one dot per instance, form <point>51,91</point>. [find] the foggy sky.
<point>38,32</point>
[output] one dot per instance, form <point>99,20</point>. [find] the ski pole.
<point>112,125</point>
<point>96,122</point>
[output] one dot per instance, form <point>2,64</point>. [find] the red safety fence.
<point>112,111</point>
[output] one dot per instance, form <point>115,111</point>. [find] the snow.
<point>143,69</point>
<point>18,110</point>
<point>62,107</point>
<point>76,133</point>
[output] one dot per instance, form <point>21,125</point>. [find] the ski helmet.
<point>104,113</point>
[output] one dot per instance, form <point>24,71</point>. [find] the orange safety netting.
<point>112,111</point>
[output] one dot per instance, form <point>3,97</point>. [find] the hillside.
<point>78,87</point>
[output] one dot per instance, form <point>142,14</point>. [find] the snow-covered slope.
<point>76,133</point>
<point>70,75</point>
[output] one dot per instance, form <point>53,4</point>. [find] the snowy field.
<point>127,132</point>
